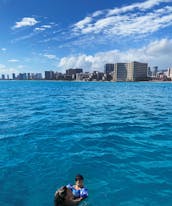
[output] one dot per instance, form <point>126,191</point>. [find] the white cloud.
<point>20,66</point>
<point>39,29</point>
<point>82,23</point>
<point>24,37</point>
<point>2,66</point>
<point>26,21</point>
<point>50,56</point>
<point>3,49</point>
<point>141,6</point>
<point>135,19</point>
<point>98,13</point>
<point>46,26</point>
<point>162,48</point>
<point>13,60</point>
<point>7,70</point>
<point>155,53</point>
<point>43,27</point>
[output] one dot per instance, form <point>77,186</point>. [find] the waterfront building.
<point>169,73</point>
<point>149,72</point>
<point>162,75</point>
<point>78,70</point>
<point>22,76</point>
<point>32,76</point>
<point>108,77</point>
<point>82,76</point>
<point>155,71</point>
<point>13,76</point>
<point>108,68</point>
<point>67,77</point>
<point>49,75</point>
<point>59,76</point>
<point>28,76</point>
<point>120,72</point>
<point>133,71</point>
<point>38,76</point>
<point>3,76</point>
<point>96,76</point>
<point>72,72</point>
<point>137,71</point>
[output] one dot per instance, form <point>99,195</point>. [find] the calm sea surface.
<point>118,135</point>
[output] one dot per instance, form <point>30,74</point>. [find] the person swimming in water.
<point>64,197</point>
<point>78,190</point>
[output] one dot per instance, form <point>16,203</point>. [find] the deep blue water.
<point>118,135</point>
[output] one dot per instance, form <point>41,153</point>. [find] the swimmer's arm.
<point>76,201</point>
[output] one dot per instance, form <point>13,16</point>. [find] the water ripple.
<point>118,135</point>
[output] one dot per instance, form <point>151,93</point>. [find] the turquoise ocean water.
<point>118,135</point>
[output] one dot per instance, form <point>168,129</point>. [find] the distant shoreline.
<point>45,80</point>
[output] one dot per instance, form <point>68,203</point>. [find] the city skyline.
<point>59,35</point>
<point>126,71</point>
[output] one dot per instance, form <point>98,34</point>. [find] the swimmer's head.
<point>79,180</point>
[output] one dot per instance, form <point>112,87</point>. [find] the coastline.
<point>45,80</point>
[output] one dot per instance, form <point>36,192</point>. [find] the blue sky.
<point>39,35</point>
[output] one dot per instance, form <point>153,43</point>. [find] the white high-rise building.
<point>169,73</point>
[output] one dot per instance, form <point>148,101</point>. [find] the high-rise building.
<point>149,72</point>
<point>13,76</point>
<point>169,72</point>
<point>3,77</point>
<point>38,76</point>
<point>137,71</point>
<point>28,76</point>
<point>74,71</point>
<point>32,76</point>
<point>59,76</point>
<point>120,72</point>
<point>71,73</point>
<point>155,71</point>
<point>78,70</point>
<point>22,76</point>
<point>108,68</point>
<point>49,75</point>
<point>134,71</point>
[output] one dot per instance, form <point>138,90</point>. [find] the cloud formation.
<point>3,49</point>
<point>50,56</point>
<point>127,20</point>
<point>13,60</point>
<point>146,5</point>
<point>43,27</point>
<point>7,70</point>
<point>155,53</point>
<point>26,21</point>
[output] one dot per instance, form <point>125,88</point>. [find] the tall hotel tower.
<point>134,71</point>
<point>120,72</point>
